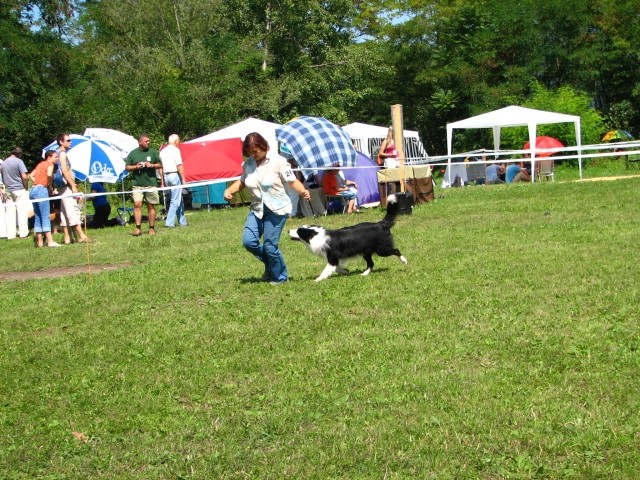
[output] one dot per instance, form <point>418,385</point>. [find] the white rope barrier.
<point>500,156</point>
<point>621,149</point>
<point>89,196</point>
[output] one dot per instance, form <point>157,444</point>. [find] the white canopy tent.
<point>369,138</point>
<point>242,129</point>
<point>515,116</point>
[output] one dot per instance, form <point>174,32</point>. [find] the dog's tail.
<point>393,207</point>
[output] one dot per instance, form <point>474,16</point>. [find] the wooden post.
<point>398,139</point>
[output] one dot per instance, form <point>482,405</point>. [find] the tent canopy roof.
<point>242,129</point>
<point>363,130</point>
<point>513,116</point>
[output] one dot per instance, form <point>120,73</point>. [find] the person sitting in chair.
<point>349,184</point>
<point>331,186</point>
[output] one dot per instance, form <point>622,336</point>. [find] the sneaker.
<point>278,283</point>
<point>265,277</point>
<point>53,244</point>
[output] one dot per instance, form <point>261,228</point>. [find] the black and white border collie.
<point>363,239</point>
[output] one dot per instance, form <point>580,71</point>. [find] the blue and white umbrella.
<point>316,143</point>
<point>118,140</point>
<point>75,138</point>
<point>94,160</point>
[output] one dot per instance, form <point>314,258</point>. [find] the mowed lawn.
<point>508,347</point>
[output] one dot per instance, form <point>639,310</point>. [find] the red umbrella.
<point>544,143</point>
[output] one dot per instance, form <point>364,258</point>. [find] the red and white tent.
<point>212,160</point>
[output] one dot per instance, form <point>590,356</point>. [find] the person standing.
<point>42,178</point>
<point>173,176</point>
<point>16,183</point>
<point>387,155</point>
<point>143,162</point>
<point>265,176</point>
<point>70,220</point>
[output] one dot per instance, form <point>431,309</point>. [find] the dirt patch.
<point>62,271</point>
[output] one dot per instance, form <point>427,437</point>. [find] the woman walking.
<point>265,176</point>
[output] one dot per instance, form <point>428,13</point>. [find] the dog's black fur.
<point>363,239</point>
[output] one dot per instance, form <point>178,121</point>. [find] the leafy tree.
<point>170,67</point>
<point>37,72</point>
<point>457,59</point>
<point>191,66</point>
<point>51,13</point>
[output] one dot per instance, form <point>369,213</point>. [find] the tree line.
<point>193,66</point>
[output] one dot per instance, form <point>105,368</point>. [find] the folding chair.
<point>330,199</point>
<point>545,170</point>
<point>124,214</point>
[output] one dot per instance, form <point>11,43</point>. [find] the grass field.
<point>507,348</point>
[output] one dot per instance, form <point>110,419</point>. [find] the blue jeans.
<point>348,194</point>
<point>177,205</point>
<point>41,210</point>
<point>270,228</point>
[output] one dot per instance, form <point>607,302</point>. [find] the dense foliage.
<point>191,66</point>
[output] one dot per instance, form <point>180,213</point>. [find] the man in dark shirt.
<point>143,162</point>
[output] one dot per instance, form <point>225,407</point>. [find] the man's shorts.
<point>147,194</point>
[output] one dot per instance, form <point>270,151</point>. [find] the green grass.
<point>507,348</point>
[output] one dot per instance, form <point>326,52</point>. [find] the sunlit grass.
<point>507,348</point>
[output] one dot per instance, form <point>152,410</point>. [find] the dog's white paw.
<point>366,272</point>
<point>403,259</point>
<point>326,273</point>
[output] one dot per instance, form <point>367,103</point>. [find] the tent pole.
<point>124,202</point>
<point>533,136</point>
<point>579,144</point>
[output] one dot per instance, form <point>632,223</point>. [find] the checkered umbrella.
<point>316,143</point>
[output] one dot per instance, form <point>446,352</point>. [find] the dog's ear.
<point>306,234</point>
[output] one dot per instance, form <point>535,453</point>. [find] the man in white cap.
<point>173,176</point>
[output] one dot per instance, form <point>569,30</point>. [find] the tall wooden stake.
<point>398,138</point>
